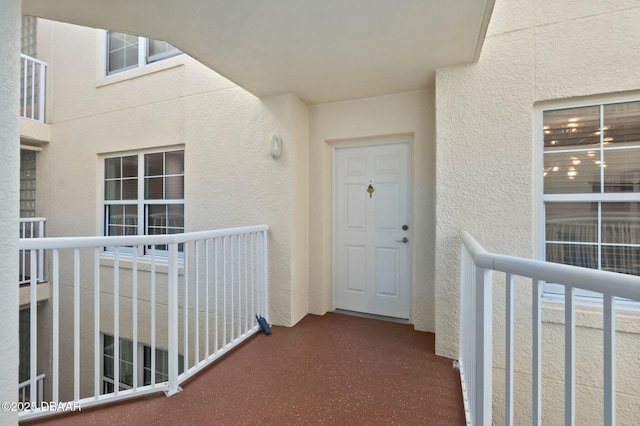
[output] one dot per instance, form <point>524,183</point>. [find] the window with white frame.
<point>144,194</point>
<point>127,352</point>
<point>591,186</point>
<point>125,51</point>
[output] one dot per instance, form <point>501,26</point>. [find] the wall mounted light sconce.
<point>275,146</point>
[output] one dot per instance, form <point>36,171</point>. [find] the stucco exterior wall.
<point>230,178</point>
<point>405,116</point>
<point>10,19</point>
<point>534,52</point>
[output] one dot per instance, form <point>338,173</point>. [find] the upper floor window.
<point>144,194</point>
<point>591,181</point>
<point>125,52</point>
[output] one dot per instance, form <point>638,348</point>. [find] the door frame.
<point>363,142</point>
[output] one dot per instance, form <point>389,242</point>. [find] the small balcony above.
<point>32,227</point>
<point>33,129</point>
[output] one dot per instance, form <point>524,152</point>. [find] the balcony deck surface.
<point>333,369</point>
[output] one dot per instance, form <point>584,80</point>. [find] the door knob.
<point>404,240</point>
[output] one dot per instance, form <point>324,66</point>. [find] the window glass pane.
<point>154,164</point>
<point>572,173</point>
<point>621,223</point>
<point>112,168</point>
<point>108,367</point>
<point>572,128</point>
<point>158,50</point>
<point>130,189</point>
<point>176,216</point>
<point>582,255</point>
<point>175,163</point>
<point>621,259</point>
<point>157,219</point>
<point>112,190</point>
<point>115,215</point>
<point>116,40</point>
<point>131,56</point>
<point>116,61</point>
<point>154,188</point>
<point>622,124</point>
<point>174,187</point>
<point>130,166</point>
<point>576,222</point>
<point>622,170</point>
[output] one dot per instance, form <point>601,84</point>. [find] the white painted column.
<point>10,21</point>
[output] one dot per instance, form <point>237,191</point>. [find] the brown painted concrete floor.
<point>333,369</point>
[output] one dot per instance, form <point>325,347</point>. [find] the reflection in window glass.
<point>593,150</point>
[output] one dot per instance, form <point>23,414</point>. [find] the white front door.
<point>371,233</point>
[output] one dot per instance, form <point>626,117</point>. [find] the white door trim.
<point>363,142</point>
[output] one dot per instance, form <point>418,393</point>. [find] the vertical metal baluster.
<point>232,288</point>
<point>33,326</point>
<point>55,301</point>
<point>196,306</point>
<point>246,289</point>
<point>116,323</point>
<point>569,356</point>
<point>536,394</point>
<point>97,355</point>
<point>509,329</point>
<point>206,299</point>
<point>224,291</point>
<point>215,295</point>
<point>153,315</point>
<point>134,291</point>
<point>609,359</point>
<point>185,310</point>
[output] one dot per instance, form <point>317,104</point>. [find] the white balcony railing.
<point>24,390</point>
<point>187,301</point>
<point>476,310</point>
<point>31,227</point>
<point>32,88</point>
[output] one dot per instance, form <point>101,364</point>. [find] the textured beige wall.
<point>534,52</point>
<point>9,196</point>
<point>230,178</point>
<point>406,116</point>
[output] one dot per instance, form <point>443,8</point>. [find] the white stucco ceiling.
<point>320,50</point>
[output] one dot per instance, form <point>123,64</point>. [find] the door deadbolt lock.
<point>405,227</point>
<point>403,240</point>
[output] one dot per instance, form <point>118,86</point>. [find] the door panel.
<point>371,261</point>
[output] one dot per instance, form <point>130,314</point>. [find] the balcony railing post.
<point>483,322</point>
<point>172,318</point>
<point>265,276</point>
<point>43,69</point>
<point>41,251</point>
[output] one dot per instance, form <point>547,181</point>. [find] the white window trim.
<point>554,292</point>
<point>141,202</point>
<point>142,56</point>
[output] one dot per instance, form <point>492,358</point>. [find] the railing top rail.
<point>29,58</point>
<point>133,240</point>
<point>28,381</point>
<point>33,219</point>
<point>610,283</point>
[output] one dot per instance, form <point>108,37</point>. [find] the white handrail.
<point>476,310</point>
<point>617,285</point>
<point>133,240</point>
<point>153,308</point>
